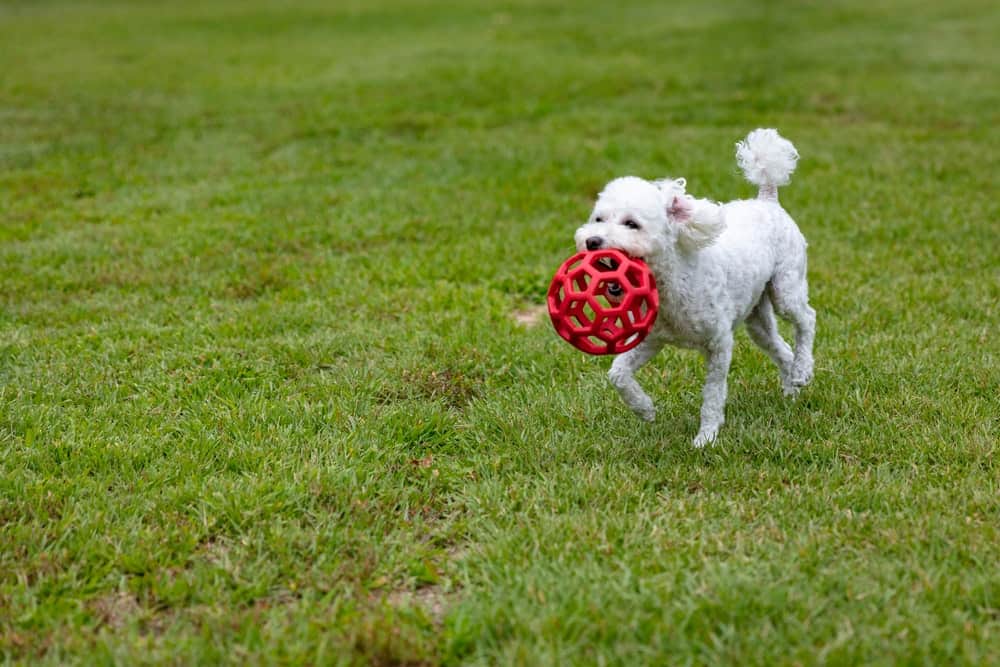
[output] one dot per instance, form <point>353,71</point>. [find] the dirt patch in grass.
<point>455,388</point>
<point>116,609</point>
<point>433,600</point>
<point>529,316</point>
<point>216,551</point>
<point>423,462</point>
<point>382,638</point>
<point>255,284</point>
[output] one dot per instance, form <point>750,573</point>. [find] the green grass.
<point>263,397</point>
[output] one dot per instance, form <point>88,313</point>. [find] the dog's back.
<point>759,232</point>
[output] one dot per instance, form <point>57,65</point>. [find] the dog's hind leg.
<point>790,294</point>
<point>713,394</point>
<point>622,376</point>
<point>763,330</point>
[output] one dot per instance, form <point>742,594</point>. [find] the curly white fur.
<point>716,266</point>
<point>767,160</point>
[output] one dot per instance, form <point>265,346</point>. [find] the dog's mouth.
<point>614,291</point>
<point>608,263</point>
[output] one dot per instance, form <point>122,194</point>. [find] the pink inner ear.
<point>681,208</point>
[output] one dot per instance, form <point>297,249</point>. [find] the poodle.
<point>716,266</point>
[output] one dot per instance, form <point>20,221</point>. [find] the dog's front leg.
<point>713,394</point>
<point>622,376</point>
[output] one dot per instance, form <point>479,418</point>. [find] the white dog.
<point>716,265</point>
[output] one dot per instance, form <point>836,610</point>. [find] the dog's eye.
<point>599,218</point>
<point>631,224</point>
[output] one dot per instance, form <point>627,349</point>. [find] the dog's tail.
<point>767,160</point>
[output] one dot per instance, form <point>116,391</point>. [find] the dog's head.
<point>648,219</point>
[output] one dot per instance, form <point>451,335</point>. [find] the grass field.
<point>273,388</point>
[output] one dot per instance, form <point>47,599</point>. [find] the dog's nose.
<point>594,242</point>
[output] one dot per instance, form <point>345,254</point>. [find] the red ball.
<point>603,301</point>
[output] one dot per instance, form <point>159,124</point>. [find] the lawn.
<point>274,387</point>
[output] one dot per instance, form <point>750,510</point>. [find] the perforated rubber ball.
<point>603,301</point>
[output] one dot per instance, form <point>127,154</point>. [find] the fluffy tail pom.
<point>767,160</point>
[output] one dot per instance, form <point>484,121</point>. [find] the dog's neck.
<point>670,265</point>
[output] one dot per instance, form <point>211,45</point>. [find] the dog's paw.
<point>642,406</point>
<point>705,438</point>
<point>646,413</point>
<point>791,386</point>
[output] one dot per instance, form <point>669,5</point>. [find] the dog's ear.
<point>699,222</point>
<point>671,186</point>
<point>681,208</point>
